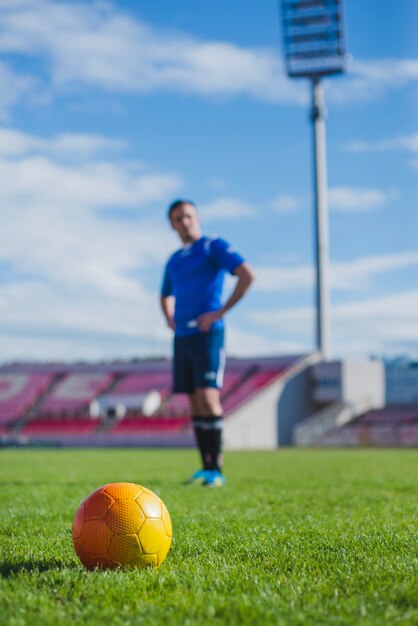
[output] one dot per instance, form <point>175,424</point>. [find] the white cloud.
<point>387,71</point>
<point>341,198</point>
<point>284,203</point>
<point>75,322</point>
<point>82,185</point>
<point>383,325</point>
<point>354,275</point>
<point>284,279</point>
<point>351,199</point>
<point>408,143</point>
<point>359,273</point>
<point>369,80</point>
<point>219,184</point>
<point>241,343</point>
<point>95,43</point>
<point>357,146</point>
<point>70,270</point>
<point>14,143</point>
<point>226,208</point>
<point>16,87</point>
<point>289,322</point>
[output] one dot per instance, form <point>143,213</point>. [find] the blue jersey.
<point>194,275</point>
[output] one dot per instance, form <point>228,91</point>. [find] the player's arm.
<point>246,277</point>
<point>167,300</point>
<point>167,306</point>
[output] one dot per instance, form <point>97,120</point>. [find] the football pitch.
<point>296,537</point>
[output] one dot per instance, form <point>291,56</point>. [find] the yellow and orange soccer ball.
<point>122,525</point>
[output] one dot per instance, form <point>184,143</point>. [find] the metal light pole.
<point>321,219</point>
<point>314,47</point>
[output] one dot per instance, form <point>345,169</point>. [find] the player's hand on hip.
<point>206,320</point>
<point>171,323</point>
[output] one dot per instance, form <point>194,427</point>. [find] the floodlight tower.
<point>315,47</point>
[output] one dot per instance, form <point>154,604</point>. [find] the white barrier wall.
<point>256,425</point>
<point>349,381</point>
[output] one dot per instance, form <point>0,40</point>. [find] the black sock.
<point>214,442</point>
<point>200,432</point>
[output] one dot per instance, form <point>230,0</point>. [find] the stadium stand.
<point>51,427</point>
<point>142,382</point>
<point>154,425</point>
<point>19,391</point>
<point>253,381</point>
<point>73,394</point>
<point>265,400</point>
<point>176,404</point>
<point>390,426</point>
<point>394,415</point>
<point>231,380</point>
<point>52,402</point>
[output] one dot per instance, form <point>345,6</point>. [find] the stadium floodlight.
<point>314,45</point>
<point>313,37</point>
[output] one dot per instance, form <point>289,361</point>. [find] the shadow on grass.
<point>9,569</point>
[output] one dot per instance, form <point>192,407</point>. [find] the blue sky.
<point>109,110</point>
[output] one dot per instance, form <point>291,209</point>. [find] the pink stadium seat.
<point>230,380</point>
<point>19,391</point>
<point>153,424</point>
<point>249,387</point>
<point>409,435</point>
<point>389,426</point>
<point>73,394</point>
<point>395,415</point>
<point>177,404</point>
<point>142,382</point>
<point>59,427</point>
<point>58,397</point>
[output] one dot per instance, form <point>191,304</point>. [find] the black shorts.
<point>199,361</point>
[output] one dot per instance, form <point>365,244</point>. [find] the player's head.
<point>184,220</point>
<point>177,204</point>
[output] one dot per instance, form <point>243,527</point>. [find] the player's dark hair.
<point>176,204</point>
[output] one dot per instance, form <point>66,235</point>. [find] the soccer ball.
<point>122,525</point>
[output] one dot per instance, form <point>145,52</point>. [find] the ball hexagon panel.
<point>166,520</point>
<point>78,522</point>
<point>125,517</point>
<point>102,561</point>
<point>96,536</point>
<point>152,535</point>
<point>97,504</point>
<point>148,559</point>
<point>125,550</point>
<point>149,503</point>
<point>164,548</point>
<point>123,491</point>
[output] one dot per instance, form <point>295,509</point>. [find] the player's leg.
<point>209,399</point>
<point>198,427</point>
<point>209,368</point>
<point>183,382</point>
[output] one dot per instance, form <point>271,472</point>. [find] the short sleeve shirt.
<point>194,275</point>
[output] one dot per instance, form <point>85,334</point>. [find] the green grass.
<point>298,537</point>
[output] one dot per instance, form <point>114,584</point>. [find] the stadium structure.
<point>269,402</point>
<point>302,400</point>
